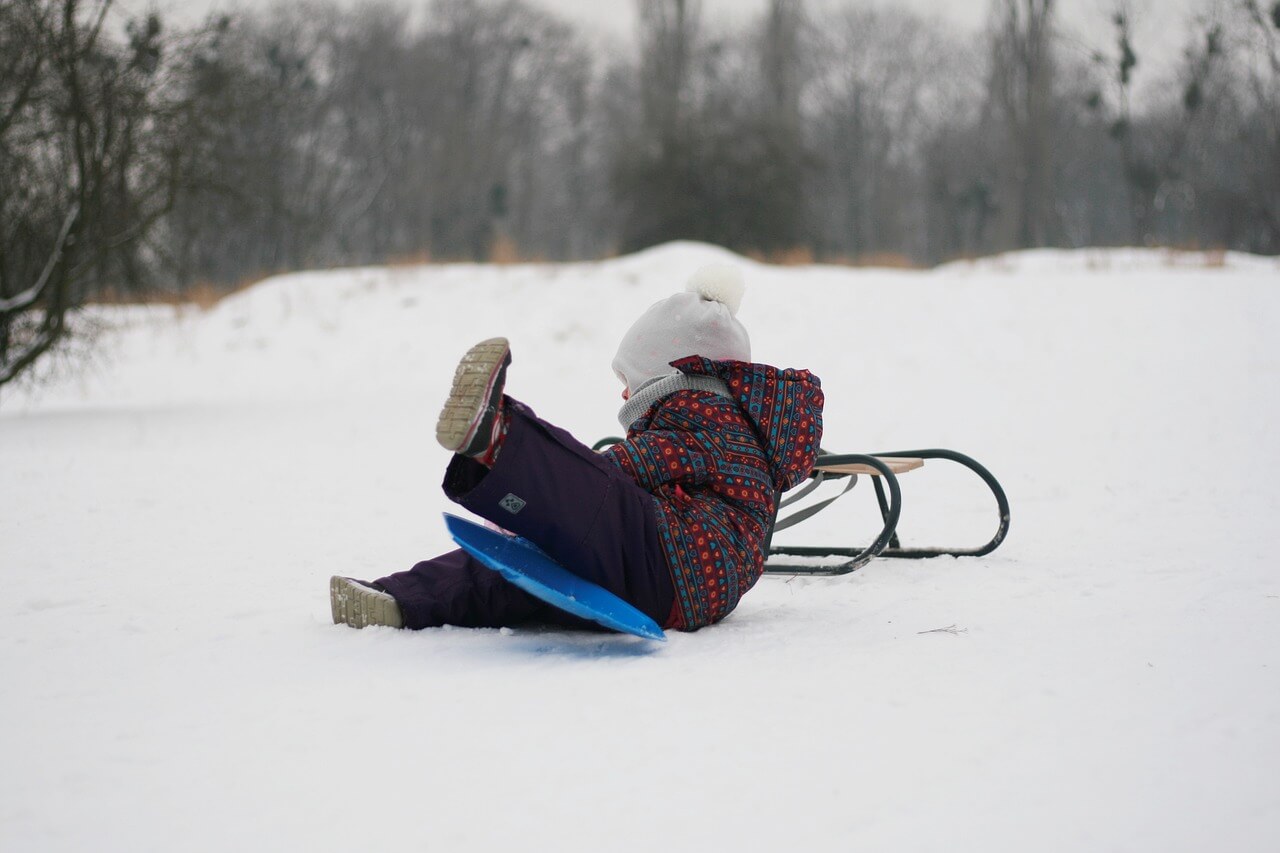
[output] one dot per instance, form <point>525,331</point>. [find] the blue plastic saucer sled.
<point>528,567</point>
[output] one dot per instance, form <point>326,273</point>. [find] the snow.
<point>169,519</point>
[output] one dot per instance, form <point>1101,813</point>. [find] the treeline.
<point>138,156</point>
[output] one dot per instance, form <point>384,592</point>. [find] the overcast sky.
<point>1160,23</point>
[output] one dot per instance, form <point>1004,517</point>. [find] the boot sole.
<point>358,606</point>
<point>473,383</point>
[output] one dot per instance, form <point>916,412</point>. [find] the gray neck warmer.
<point>664,386</point>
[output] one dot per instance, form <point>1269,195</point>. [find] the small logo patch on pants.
<point>512,504</point>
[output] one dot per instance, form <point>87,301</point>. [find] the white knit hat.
<point>700,321</point>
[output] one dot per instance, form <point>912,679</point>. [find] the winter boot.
<point>471,417</point>
<point>360,603</point>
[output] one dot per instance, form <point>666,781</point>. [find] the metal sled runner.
<point>883,468</point>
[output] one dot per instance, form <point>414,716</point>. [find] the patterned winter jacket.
<point>716,466</point>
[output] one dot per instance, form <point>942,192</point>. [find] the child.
<point>674,519</point>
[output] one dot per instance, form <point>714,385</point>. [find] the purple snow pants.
<point>580,508</point>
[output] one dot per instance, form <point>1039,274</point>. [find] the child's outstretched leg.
<point>452,589</point>
<point>456,589</point>
<point>579,507</point>
<point>537,480</point>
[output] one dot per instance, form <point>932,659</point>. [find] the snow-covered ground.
<point>170,679</point>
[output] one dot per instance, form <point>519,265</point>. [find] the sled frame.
<point>886,544</point>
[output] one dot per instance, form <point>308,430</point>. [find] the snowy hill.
<point>169,519</point>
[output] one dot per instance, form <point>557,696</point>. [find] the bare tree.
<point>504,74</point>
<point>1257,49</point>
<point>266,185</point>
<point>657,178</point>
<point>1022,89</point>
<point>886,81</point>
<point>779,186</point>
<point>709,143</point>
<point>1154,148</point>
<point>354,137</point>
<point>87,165</point>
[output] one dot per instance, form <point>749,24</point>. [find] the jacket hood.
<point>783,406</point>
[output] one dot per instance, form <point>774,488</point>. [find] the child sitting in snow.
<point>674,519</point>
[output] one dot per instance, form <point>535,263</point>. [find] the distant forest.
<point>136,157</point>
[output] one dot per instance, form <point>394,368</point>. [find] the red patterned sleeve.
<point>663,454</point>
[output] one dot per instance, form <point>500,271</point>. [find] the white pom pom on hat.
<point>700,321</point>
<point>719,283</point>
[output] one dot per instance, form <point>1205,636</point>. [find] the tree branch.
<point>37,348</point>
<point>24,300</point>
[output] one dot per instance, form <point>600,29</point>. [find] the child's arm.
<point>657,457</point>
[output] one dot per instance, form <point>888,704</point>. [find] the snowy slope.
<point>169,519</point>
